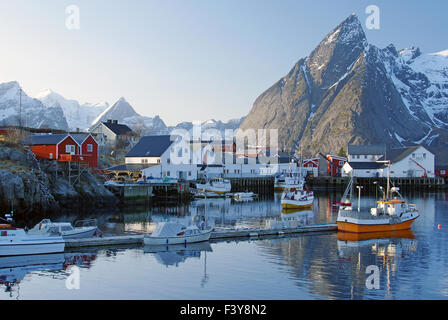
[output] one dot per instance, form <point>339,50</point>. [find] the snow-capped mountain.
<point>34,113</point>
<point>350,91</point>
<point>125,114</point>
<point>220,126</point>
<point>78,116</point>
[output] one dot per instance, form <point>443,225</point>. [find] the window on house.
<point>424,156</point>
<point>365,157</point>
<point>70,148</point>
<point>169,173</point>
<point>168,161</point>
<point>189,173</point>
<point>51,156</point>
<point>341,163</point>
<point>89,148</point>
<point>413,155</point>
<point>442,171</point>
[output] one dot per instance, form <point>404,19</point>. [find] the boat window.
<point>53,230</point>
<point>66,228</point>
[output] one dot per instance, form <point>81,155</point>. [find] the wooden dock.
<point>255,233</point>
<point>408,183</point>
<point>220,233</point>
<point>104,241</point>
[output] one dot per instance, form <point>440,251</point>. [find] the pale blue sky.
<point>188,60</point>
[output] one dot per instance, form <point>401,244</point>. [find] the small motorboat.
<point>244,195</point>
<point>215,186</point>
<point>17,242</point>
<point>82,229</point>
<point>167,233</point>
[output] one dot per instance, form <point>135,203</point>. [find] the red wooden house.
<point>335,164</point>
<point>80,148</point>
<point>311,163</point>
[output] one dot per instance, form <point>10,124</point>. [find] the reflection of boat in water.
<point>350,236</point>
<point>14,269</point>
<point>176,233</point>
<point>387,243</point>
<point>175,254</point>
<point>302,216</point>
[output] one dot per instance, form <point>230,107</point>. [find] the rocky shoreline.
<point>32,187</point>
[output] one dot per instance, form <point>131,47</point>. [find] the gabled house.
<point>415,161</point>
<point>365,152</point>
<point>111,132</point>
<point>65,147</point>
<point>52,146</point>
<point>89,149</point>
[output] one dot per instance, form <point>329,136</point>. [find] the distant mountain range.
<point>350,91</point>
<point>51,110</point>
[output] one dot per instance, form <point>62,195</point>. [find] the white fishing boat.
<point>167,233</point>
<point>82,229</point>
<point>16,242</point>
<point>215,186</point>
<point>292,180</point>
<point>297,199</point>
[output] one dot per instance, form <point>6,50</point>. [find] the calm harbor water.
<point>412,265</point>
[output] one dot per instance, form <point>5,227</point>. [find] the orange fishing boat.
<point>391,214</point>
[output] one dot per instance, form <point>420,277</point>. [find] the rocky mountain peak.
<point>337,52</point>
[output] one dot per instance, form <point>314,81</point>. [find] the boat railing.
<point>361,215</point>
<point>86,223</point>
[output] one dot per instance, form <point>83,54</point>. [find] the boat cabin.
<point>394,207</point>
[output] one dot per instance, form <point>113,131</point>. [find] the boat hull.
<point>210,189</point>
<point>154,241</point>
<point>371,227</point>
<point>23,249</point>
<point>86,232</point>
<point>296,204</point>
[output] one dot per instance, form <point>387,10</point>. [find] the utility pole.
<point>20,108</point>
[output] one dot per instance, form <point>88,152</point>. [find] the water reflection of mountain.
<point>173,255</point>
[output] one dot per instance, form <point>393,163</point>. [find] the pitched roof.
<point>79,137</point>
<point>130,167</point>
<point>366,165</point>
<point>395,155</point>
<point>151,146</point>
<point>117,128</point>
<point>44,139</point>
<point>367,149</point>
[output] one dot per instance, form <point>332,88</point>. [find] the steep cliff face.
<point>348,91</point>
<point>31,187</point>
